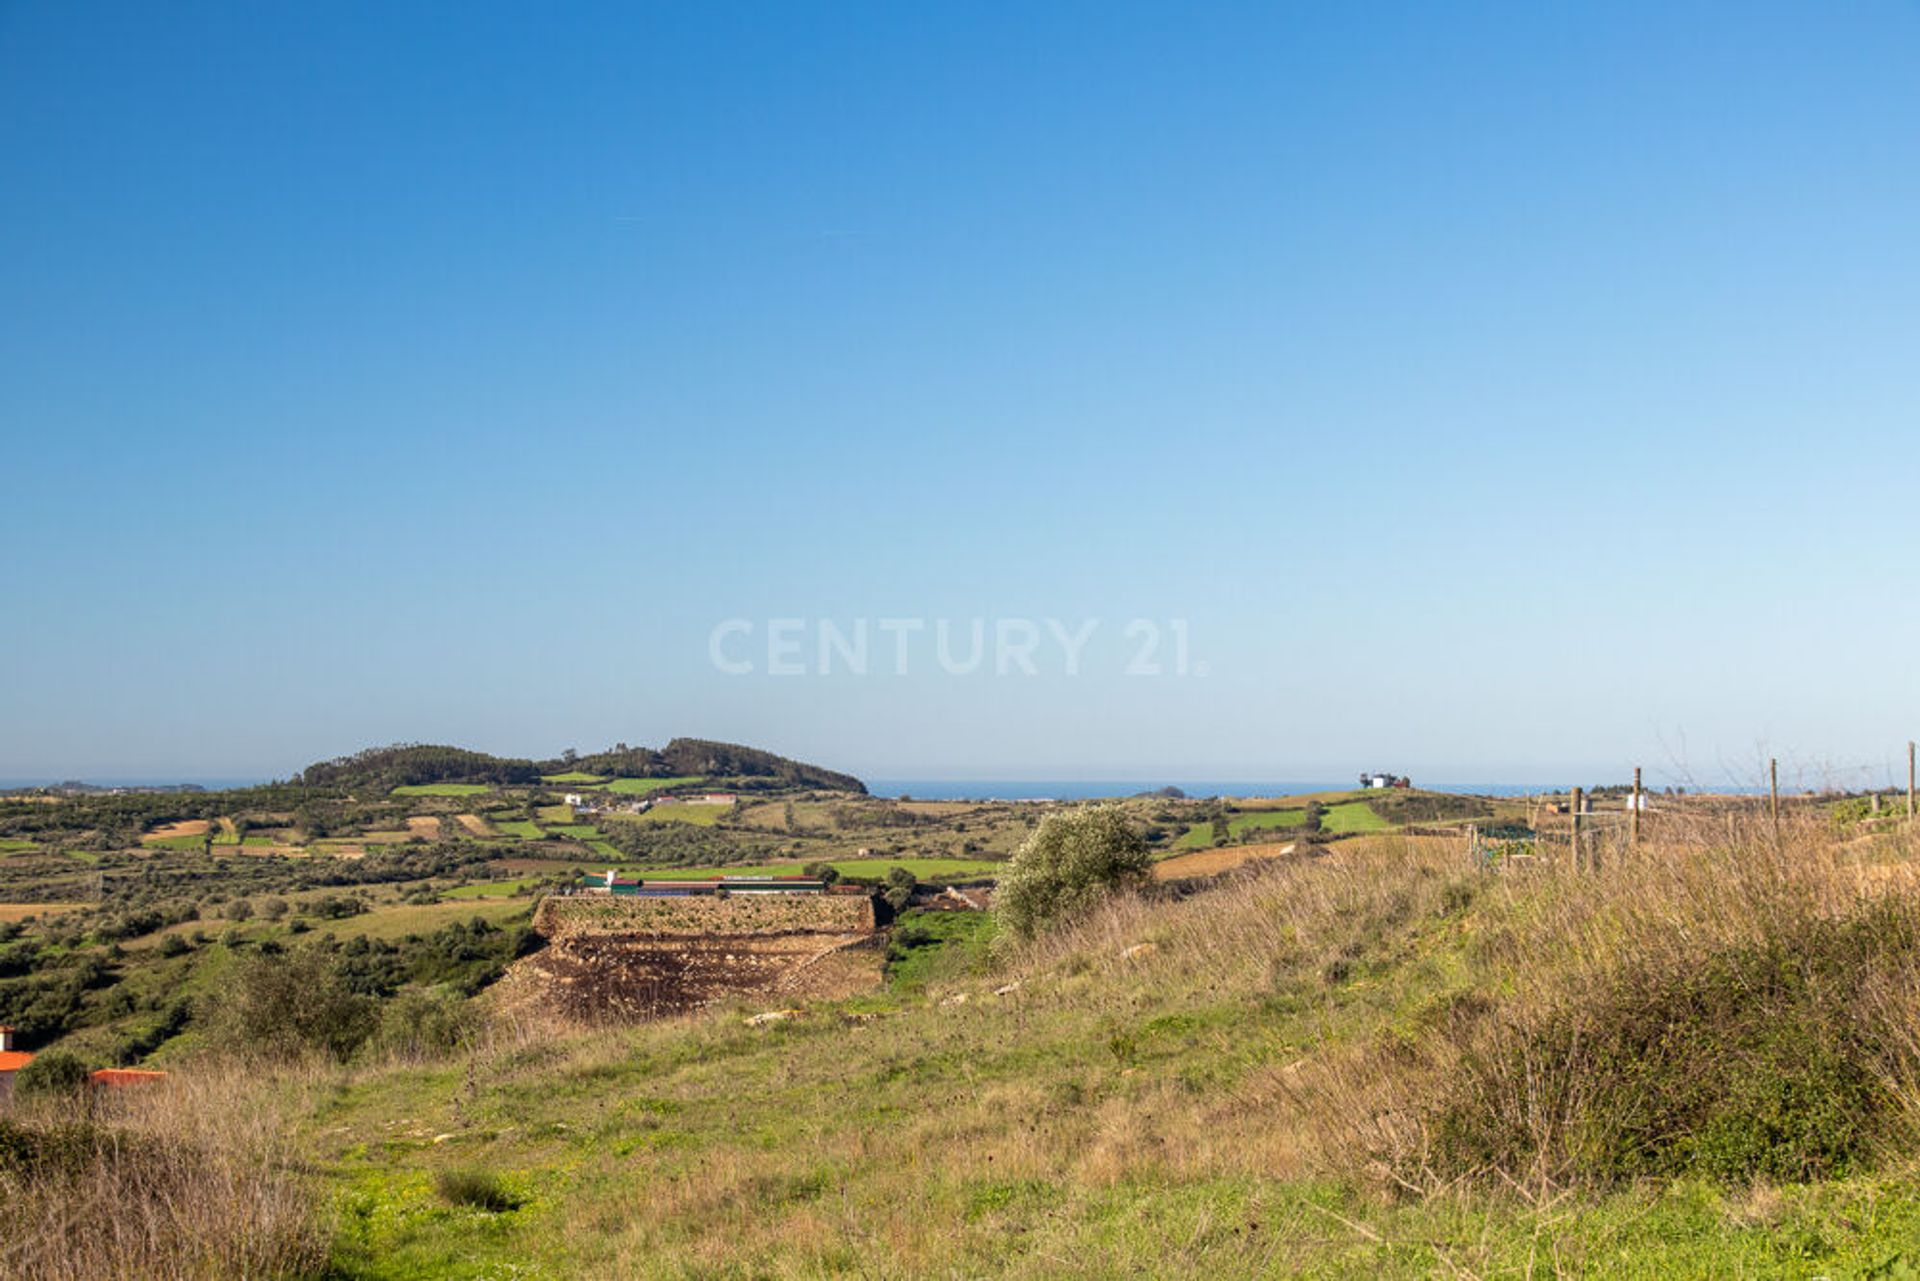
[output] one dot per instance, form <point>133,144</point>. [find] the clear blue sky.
<point>1497,391</point>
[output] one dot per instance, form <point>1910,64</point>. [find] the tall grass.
<point>190,1178</point>
<point>1725,999</point>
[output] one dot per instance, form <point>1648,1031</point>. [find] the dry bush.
<point>188,1178</point>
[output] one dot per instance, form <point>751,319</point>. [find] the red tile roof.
<point>14,1060</point>
<point>116,1077</point>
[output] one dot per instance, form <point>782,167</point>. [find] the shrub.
<point>900,886</point>
<point>1072,860</point>
<point>284,1005</point>
<point>55,1072</point>
<point>424,1024</point>
<point>1760,1060</point>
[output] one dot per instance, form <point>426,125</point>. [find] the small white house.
<point>574,799</point>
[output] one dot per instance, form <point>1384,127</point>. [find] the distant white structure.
<point>574,798</point>
<point>1380,782</point>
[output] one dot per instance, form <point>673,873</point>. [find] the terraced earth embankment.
<point>625,960</point>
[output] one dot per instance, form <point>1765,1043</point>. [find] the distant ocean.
<point>940,789</point>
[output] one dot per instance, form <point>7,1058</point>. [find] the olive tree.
<point>1072,860</point>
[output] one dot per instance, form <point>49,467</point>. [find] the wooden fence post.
<point>1773,796</point>
<point>1573,813</point>
<point>1633,819</point>
<point>1909,778</point>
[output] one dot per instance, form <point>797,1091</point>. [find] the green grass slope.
<point>1228,1085</point>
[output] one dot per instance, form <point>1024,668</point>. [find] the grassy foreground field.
<point>1364,1058</point>
<point>1252,1081</point>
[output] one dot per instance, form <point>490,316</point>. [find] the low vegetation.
<point>1365,1055</point>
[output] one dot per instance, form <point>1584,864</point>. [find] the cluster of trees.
<point>855,817</point>
<point>115,821</point>
<point>684,844</point>
<point>414,764</point>
<point>690,756</point>
<point>44,989</point>
<point>339,999</point>
<point>704,758</point>
<point>327,996</point>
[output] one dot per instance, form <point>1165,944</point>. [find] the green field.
<point>642,786</point>
<point>1355,816</point>
<point>573,776</point>
<point>555,814</point>
<point>1200,836</point>
<point>926,945</point>
<point>14,846</point>
<point>525,829</point>
<point>442,789</point>
<point>680,812</point>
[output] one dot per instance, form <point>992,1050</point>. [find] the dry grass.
<point>1589,998</point>
<point>184,827</point>
<point>1214,861</point>
<point>22,911</point>
<point>190,1178</point>
<point>476,825</point>
<point>1500,956</point>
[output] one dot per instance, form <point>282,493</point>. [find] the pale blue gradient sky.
<point>1497,390</point>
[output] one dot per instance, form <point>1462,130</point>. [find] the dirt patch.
<point>1377,842</point>
<point>475,825</point>
<point>21,911</point>
<point>1213,862</point>
<point>185,827</point>
<point>424,828</point>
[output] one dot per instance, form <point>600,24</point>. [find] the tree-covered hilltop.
<point>417,764</point>
<point>688,756</point>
